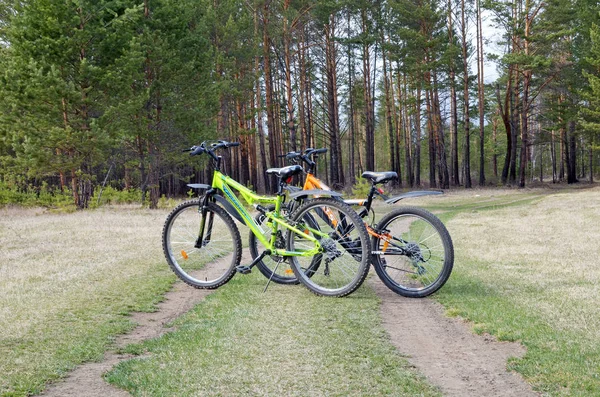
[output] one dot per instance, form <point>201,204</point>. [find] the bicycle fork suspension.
<point>205,230</point>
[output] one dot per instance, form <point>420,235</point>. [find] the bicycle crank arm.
<point>247,269</point>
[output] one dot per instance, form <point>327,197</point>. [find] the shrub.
<point>361,188</point>
<point>165,202</point>
<point>111,195</point>
<point>35,196</point>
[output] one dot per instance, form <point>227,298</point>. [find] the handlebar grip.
<point>319,151</point>
<point>196,150</point>
<point>232,144</point>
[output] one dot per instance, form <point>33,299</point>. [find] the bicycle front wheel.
<point>206,262</point>
<point>413,254</point>
<point>344,263</point>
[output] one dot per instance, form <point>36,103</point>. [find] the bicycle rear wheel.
<point>280,273</point>
<point>414,254</point>
<point>344,263</point>
<point>211,262</point>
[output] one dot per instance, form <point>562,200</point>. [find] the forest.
<point>449,94</point>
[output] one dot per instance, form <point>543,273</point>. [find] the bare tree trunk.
<point>430,132</point>
<point>439,137</point>
<point>553,156</point>
<point>481,96</point>
<point>336,168</point>
<point>505,114</point>
<point>388,114</point>
<point>418,138</point>
<point>269,91</point>
<point>563,153</point>
<point>572,155</point>
<point>454,169</point>
<point>398,126</point>
<point>263,184</point>
<point>301,91</point>
<point>243,166</point>
<point>467,159</point>
<point>514,120</point>
<point>494,140</point>
<point>406,130</point>
<point>527,76</point>
<point>288,77</point>
<point>351,165</point>
<point>591,159</point>
<point>369,122</point>
<point>524,129</point>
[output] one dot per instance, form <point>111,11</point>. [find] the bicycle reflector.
<point>380,190</point>
<point>184,254</point>
<point>289,180</point>
<point>289,271</point>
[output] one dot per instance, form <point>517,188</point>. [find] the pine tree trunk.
<point>430,132</point>
<point>524,129</point>
<point>388,115</point>
<point>418,138</point>
<point>572,155</point>
<point>494,140</point>
<point>288,78</point>
<point>467,159</point>
<point>352,117</point>
<point>454,169</point>
<point>269,92</point>
<point>336,168</point>
<point>369,121</point>
<point>439,137</point>
<point>402,94</point>
<point>481,94</point>
<point>553,156</point>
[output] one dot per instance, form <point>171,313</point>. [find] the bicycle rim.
<point>414,257</point>
<point>344,264</point>
<point>211,262</point>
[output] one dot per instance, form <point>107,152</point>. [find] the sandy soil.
<point>446,351</point>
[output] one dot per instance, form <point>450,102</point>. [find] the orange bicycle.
<point>412,251</point>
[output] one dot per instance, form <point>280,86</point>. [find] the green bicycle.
<point>203,247</point>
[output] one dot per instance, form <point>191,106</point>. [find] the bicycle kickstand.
<point>272,274</point>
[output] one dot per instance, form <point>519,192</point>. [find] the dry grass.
<point>66,281</point>
<point>528,268</point>
<point>551,246</point>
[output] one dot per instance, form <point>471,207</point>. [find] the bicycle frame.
<point>312,182</point>
<point>226,184</point>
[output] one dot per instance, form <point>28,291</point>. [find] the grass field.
<point>527,269</point>
<point>67,283</point>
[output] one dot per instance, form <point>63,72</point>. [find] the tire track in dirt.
<point>86,380</point>
<point>445,350</point>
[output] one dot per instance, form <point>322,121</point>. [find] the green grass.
<point>68,283</point>
<point>527,269</point>
<point>287,341</point>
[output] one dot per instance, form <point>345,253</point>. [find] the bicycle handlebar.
<point>305,156</point>
<point>206,147</point>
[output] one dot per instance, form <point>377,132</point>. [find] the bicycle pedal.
<point>243,269</point>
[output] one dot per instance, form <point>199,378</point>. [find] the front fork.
<point>205,229</point>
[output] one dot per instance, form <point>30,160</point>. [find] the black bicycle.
<point>412,251</point>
